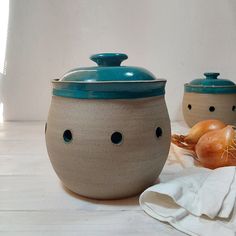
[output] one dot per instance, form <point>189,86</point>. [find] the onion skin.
<point>188,142</point>
<point>217,148</point>
<point>201,128</point>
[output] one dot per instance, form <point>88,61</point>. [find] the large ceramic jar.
<point>108,129</point>
<point>209,98</point>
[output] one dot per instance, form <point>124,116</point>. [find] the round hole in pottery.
<point>211,108</point>
<point>158,132</point>
<point>45,128</point>
<point>67,136</point>
<point>189,106</point>
<point>116,137</point>
<point>233,108</point>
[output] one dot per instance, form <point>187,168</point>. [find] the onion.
<point>201,128</point>
<point>196,132</point>
<point>217,148</point>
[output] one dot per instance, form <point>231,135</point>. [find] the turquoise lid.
<point>108,80</point>
<point>211,84</point>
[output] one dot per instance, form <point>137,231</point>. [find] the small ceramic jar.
<point>210,98</point>
<point>108,129</point>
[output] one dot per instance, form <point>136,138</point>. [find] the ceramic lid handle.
<point>109,59</point>
<point>211,75</point>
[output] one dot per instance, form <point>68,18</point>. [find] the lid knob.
<point>211,75</point>
<point>109,59</point>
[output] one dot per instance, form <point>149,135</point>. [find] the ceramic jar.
<point>108,129</point>
<point>209,98</point>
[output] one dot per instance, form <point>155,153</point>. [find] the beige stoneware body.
<point>91,165</point>
<point>224,107</point>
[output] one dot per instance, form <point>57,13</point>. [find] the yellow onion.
<point>217,148</point>
<point>201,128</point>
<point>196,132</point>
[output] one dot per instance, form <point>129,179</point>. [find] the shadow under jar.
<point>108,129</point>
<point>209,98</point>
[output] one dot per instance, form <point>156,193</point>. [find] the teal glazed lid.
<point>108,80</point>
<point>211,84</point>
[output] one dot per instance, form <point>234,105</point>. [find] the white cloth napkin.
<point>196,201</point>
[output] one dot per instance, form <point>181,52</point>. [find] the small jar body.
<point>202,106</point>
<point>108,148</point>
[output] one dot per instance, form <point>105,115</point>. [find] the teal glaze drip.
<point>106,95</point>
<point>109,90</point>
<point>210,90</point>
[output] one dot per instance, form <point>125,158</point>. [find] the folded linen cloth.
<point>196,201</point>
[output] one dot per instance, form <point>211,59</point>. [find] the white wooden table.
<point>34,202</point>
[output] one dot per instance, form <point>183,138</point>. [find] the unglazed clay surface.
<point>197,107</point>
<point>90,164</point>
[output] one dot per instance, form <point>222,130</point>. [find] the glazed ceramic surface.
<point>108,139</point>
<point>209,98</point>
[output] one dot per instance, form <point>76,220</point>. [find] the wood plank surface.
<point>34,202</point>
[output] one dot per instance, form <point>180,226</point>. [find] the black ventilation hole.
<point>116,138</point>
<point>45,128</point>
<point>67,136</point>
<point>233,108</point>
<point>189,106</point>
<point>211,108</point>
<point>158,132</point>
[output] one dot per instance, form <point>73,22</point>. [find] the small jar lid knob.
<point>211,75</point>
<point>109,59</point>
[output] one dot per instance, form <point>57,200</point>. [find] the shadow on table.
<point>131,201</point>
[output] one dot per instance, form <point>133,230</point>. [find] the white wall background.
<point>176,40</point>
